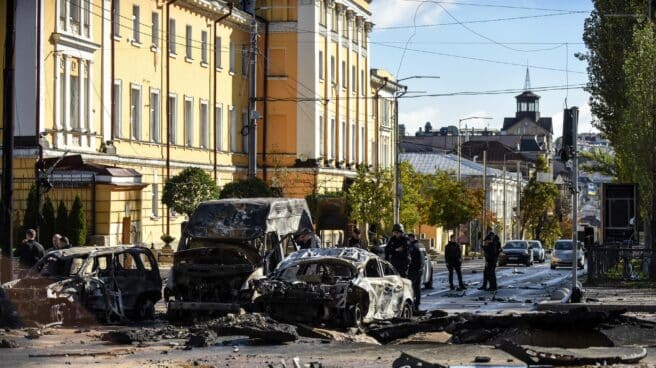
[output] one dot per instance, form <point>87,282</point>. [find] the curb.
<point>559,307</point>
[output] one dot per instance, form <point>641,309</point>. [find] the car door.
<point>373,274</point>
<point>129,274</point>
<point>393,290</point>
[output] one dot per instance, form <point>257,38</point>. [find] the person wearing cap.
<point>491,250</point>
<point>308,239</point>
<point>415,268</point>
<point>355,240</point>
<point>397,250</point>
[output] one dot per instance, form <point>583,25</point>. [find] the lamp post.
<point>397,172</point>
<point>459,148</point>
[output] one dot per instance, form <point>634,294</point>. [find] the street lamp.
<point>397,172</point>
<point>459,148</point>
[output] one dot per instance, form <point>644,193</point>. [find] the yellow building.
<point>132,92</point>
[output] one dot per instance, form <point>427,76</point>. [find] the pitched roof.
<point>429,163</point>
<point>495,151</point>
<point>544,123</point>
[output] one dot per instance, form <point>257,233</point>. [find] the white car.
<point>538,250</point>
<point>333,285</point>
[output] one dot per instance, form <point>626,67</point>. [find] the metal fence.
<point>619,262</point>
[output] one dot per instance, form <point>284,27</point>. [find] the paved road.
<point>520,288</point>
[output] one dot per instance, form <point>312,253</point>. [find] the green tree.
<point>636,150</point>
<point>450,203</point>
<point>537,208</point>
<point>61,221</point>
<point>31,211</point>
<point>371,197</point>
<point>77,223</point>
<point>412,210</point>
<point>247,188</point>
<point>48,225</point>
<point>185,191</point>
<point>599,161</point>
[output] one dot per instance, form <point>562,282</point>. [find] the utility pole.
<point>519,200</point>
<point>397,170</point>
<point>484,191</point>
<point>7,224</point>
<point>574,111</point>
<point>503,236</point>
<point>252,90</point>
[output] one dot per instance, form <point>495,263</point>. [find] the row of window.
<point>333,74</point>
<point>349,27</point>
<point>172,39</point>
<point>191,136</point>
<point>332,149</point>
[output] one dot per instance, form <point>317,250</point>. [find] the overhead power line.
<point>463,3</point>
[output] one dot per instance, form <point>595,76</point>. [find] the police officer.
<point>491,250</point>
<point>397,250</point>
<point>29,252</point>
<point>453,259</point>
<point>415,268</point>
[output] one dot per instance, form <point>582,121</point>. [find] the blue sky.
<point>538,37</point>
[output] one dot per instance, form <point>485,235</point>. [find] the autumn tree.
<point>538,205</point>
<point>412,209</point>
<point>371,197</point>
<point>450,203</point>
<point>185,191</point>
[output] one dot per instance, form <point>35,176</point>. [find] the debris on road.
<point>255,326</point>
<point>8,344</point>
<point>425,338</point>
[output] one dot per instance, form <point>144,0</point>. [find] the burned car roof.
<point>354,255</point>
<point>76,251</point>
<point>248,218</point>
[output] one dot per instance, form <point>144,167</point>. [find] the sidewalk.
<point>608,298</point>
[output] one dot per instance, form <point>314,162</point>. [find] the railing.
<point>619,262</point>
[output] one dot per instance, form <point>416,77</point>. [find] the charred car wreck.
<point>226,244</point>
<point>86,283</point>
<point>347,285</point>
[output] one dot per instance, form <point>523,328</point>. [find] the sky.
<point>544,34</point>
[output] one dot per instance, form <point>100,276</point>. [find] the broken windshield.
<point>62,267</point>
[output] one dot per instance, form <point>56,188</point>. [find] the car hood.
<point>513,251</point>
<point>225,253</point>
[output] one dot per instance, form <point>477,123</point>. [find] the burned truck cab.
<point>226,244</point>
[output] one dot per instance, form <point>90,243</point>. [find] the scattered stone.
<point>425,338</point>
<point>8,344</point>
<point>235,349</point>
<point>33,333</point>
<point>202,339</point>
<point>255,326</point>
<point>482,359</point>
<point>345,337</point>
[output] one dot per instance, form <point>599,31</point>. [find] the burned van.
<point>87,283</point>
<point>226,244</point>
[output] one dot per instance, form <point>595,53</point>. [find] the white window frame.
<point>172,116</point>
<point>321,65</point>
<point>74,100</point>
<point>332,70</point>
<point>344,72</point>
<point>189,31</point>
<point>204,117</point>
<point>118,107</point>
<point>233,128</point>
<point>352,153</point>
<point>136,24</point>
<point>353,79</point>
<point>232,58</point>
<point>362,145</point>
<point>171,37</point>
<point>155,115</point>
<point>154,197</point>
<point>135,112</point>
<point>322,136</point>
<point>188,117</point>
<point>154,36</point>
<point>332,149</point>
<point>203,48</point>
<point>342,140</point>
<point>218,126</point>
<point>217,53</point>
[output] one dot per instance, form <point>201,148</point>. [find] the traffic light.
<point>570,120</point>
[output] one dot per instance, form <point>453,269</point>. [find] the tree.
<point>61,221</point>
<point>185,191</point>
<point>31,211</point>
<point>371,197</point>
<point>77,223</point>
<point>450,203</point>
<point>247,188</point>
<point>538,205</point>
<point>599,161</point>
<point>48,224</point>
<point>412,210</point>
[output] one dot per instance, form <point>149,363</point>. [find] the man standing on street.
<point>415,268</point>
<point>30,251</point>
<point>453,259</point>
<point>397,252</point>
<point>491,250</point>
<point>355,240</point>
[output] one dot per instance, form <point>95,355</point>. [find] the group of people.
<point>402,251</point>
<point>30,251</point>
<point>491,251</point>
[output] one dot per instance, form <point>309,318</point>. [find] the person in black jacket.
<point>355,240</point>
<point>29,252</point>
<point>491,250</point>
<point>415,268</point>
<point>397,252</point>
<point>453,259</point>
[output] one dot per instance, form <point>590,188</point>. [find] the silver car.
<point>538,250</point>
<point>562,254</point>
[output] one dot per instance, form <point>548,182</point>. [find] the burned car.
<point>347,285</point>
<point>103,283</point>
<point>225,244</point>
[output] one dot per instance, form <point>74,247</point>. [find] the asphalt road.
<point>520,288</point>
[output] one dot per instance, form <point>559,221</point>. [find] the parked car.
<point>349,286</point>
<point>538,250</point>
<point>562,254</point>
<point>226,244</point>
<point>106,283</point>
<point>427,269</point>
<point>517,252</point>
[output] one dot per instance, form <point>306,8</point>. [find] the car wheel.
<point>353,317</point>
<point>429,283</point>
<point>144,309</point>
<point>553,267</point>
<point>406,312</point>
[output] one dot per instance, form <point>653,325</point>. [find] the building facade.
<point>384,89</point>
